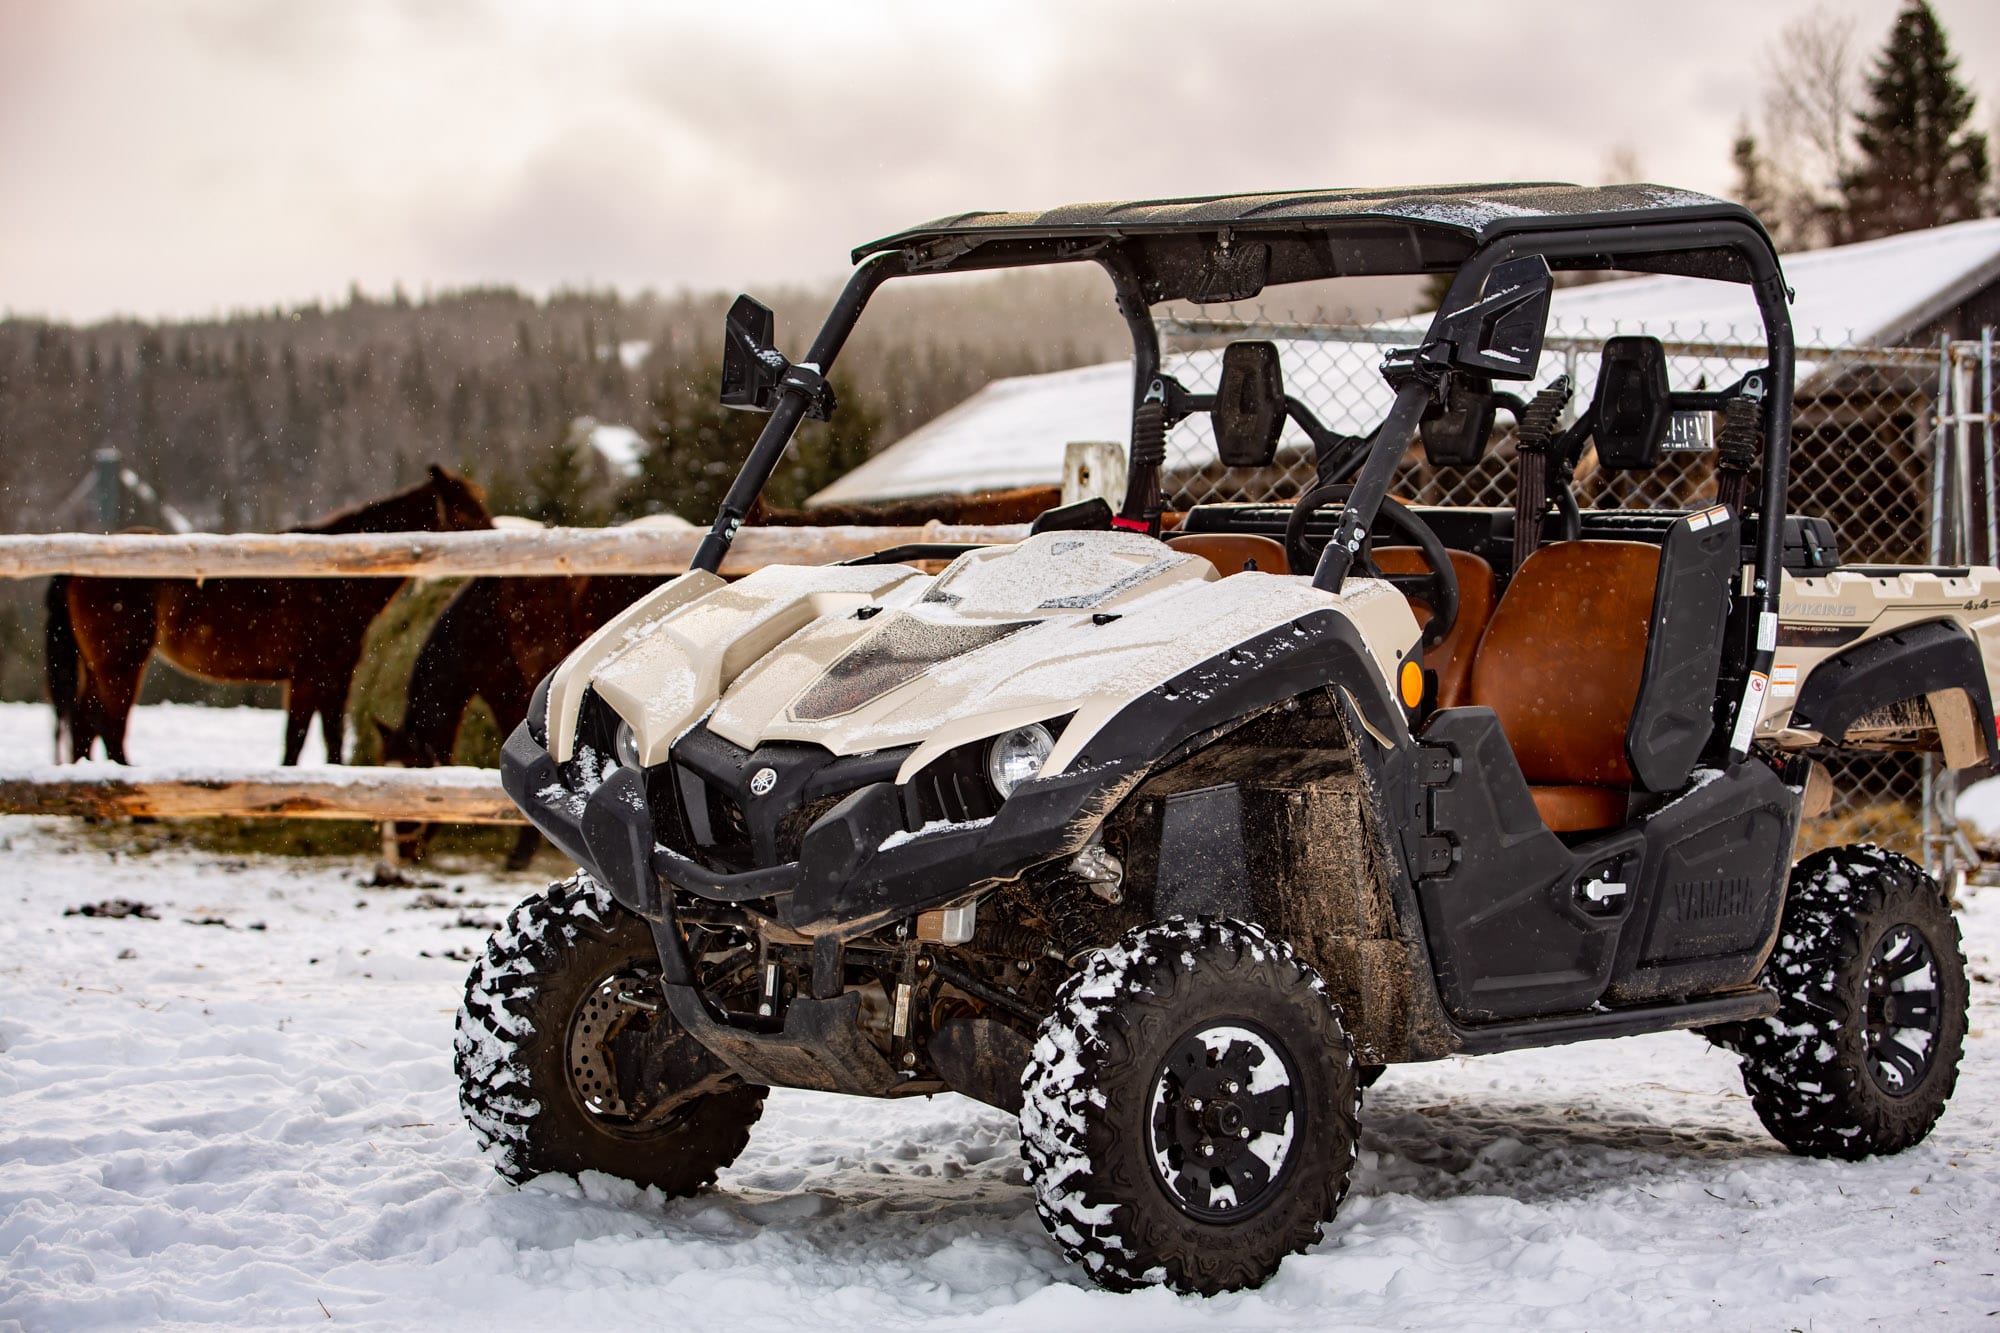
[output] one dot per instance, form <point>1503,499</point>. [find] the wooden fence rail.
<point>545,551</point>
<point>447,795</point>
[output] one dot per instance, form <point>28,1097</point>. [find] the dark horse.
<point>305,632</point>
<point>497,639</point>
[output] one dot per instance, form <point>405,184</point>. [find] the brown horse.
<point>495,642</point>
<point>305,632</point>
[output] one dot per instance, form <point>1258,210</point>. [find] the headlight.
<point>1017,756</point>
<point>626,746</point>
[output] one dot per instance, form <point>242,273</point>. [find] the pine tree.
<point>698,445</point>
<point>554,487</point>
<point>824,452</point>
<point>1753,190</point>
<point>1920,166</point>
<point>420,394</point>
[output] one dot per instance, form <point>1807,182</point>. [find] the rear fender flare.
<point>1930,659</point>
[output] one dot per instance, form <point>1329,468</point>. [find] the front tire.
<point>561,1071</point>
<point>1863,1052</point>
<point>1191,1109</point>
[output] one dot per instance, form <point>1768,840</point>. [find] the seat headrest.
<point>1249,409</point>
<point>1633,404</point>
<point>1455,432</point>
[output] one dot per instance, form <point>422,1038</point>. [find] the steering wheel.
<point>1438,589</point>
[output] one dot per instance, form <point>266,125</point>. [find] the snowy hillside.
<point>240,1110</point>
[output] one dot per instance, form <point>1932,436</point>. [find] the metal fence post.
<point>1992,551</point>
<point>1940,407</point>
<point>1965,525</point>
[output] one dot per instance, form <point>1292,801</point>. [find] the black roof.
<point>1472,210</point>
<point>1401,230</point>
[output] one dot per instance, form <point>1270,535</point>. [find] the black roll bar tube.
<point>1772,297</point>
<point>1370,485</point>
<point>1142,500</point>
<point>794,396</point>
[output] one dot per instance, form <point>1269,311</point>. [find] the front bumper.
<point>859,866</point>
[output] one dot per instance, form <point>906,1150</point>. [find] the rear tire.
<point>1863,1052</point>
<point>1191,1107</point>
<point>540,1042</point>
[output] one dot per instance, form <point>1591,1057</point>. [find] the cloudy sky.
<point>184,158</point>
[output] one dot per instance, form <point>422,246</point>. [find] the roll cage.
<point>1500,242</point>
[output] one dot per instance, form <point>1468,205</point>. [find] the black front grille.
<point>955,788</point>
<point>793,824</point>
<point>725,822</point>
<point>729,830</point>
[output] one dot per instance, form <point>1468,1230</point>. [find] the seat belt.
<point>1740,444</point>
<point>1535,429</point>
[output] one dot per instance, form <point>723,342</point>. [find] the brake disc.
<point>596,1023</point>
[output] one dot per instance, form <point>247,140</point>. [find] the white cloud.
<point>230,152</point>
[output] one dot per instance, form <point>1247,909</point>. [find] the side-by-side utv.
<point>1169,832</point>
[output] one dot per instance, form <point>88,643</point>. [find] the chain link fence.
<point>1866,429</point>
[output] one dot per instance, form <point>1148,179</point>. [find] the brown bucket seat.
<point>1234,552</point>
<point>1560,664</point>
<point>1452,657</point>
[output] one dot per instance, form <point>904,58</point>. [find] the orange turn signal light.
<point>1411,682</point>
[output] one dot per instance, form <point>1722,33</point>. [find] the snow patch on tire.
<point>487,1046</point>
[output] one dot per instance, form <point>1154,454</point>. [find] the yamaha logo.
<point>762,781</point>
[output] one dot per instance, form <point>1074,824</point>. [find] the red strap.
<point>1131,524</point>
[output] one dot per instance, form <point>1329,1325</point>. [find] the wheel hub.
<point>1904,1017</point>
<point>1223,1122</point>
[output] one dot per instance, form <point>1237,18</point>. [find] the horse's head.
<point>441,502</point>
<point>460,502</point>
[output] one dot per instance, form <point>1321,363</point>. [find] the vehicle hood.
<point>857,659</point>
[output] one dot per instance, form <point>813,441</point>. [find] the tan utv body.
<point>1066,624</point>
<point>1824,617</point>
<point>1172,839</point>
<point>769,641</point>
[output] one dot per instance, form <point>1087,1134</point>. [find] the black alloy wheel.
<point>1226,1114</point>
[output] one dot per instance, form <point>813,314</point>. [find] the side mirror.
<point>1249,406</point>
<point>1456,434</point>
<point>751,366</point>
<point>1633,405</point>
<point>1500,333</point>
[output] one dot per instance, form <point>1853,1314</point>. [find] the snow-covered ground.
<point>165,735</point>
<point>254,1123</point>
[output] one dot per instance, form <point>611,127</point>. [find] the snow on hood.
<point>1087,646</point>
<point>867,658</point>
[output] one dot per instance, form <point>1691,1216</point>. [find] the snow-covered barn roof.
<point>1869,294</point>
<point>1013,432</point>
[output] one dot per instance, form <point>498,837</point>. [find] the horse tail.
<point>61,660</point>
